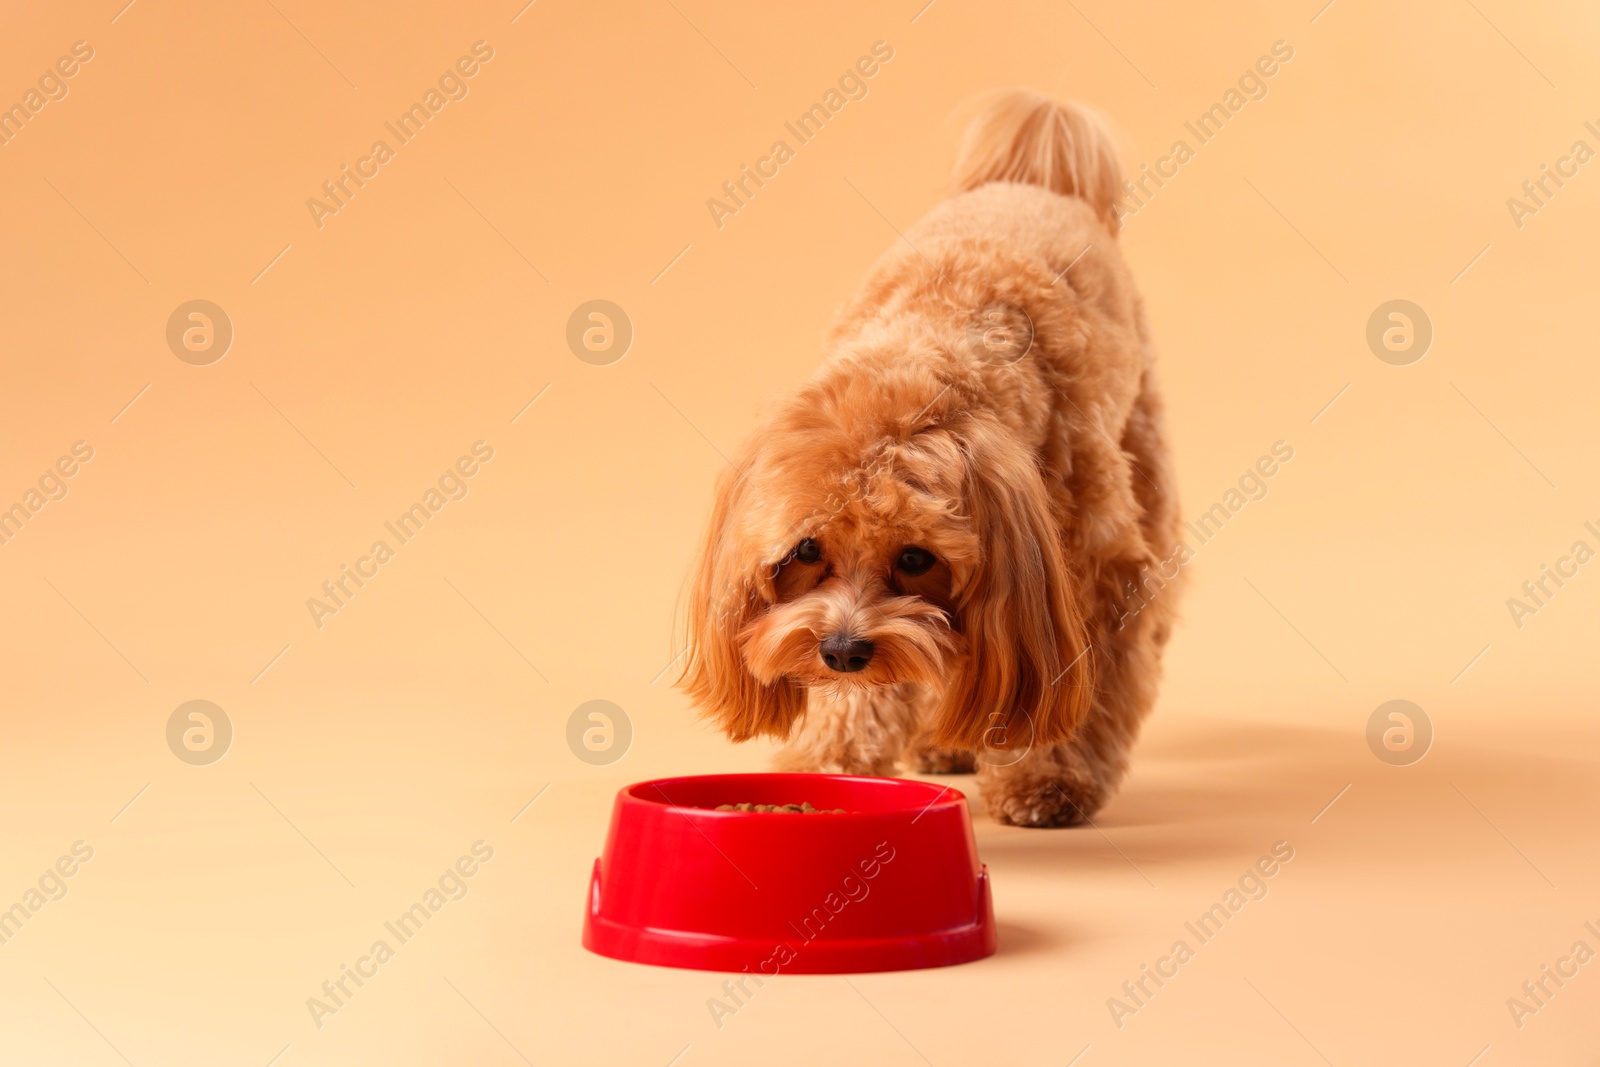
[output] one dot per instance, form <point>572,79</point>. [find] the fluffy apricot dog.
<point>942,549</point>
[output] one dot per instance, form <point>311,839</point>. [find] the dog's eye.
<point>914,560</point>
<point>808,551</point>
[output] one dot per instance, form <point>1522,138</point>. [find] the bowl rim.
<point>942,796</point>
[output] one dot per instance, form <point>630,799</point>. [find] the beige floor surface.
<point>1418,900</point>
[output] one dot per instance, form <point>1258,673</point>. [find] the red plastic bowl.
<point>892,884</point>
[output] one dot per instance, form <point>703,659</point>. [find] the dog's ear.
<point>1028,677</point>
<point>727,589</point>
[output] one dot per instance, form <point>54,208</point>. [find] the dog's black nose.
<point>846,654</point>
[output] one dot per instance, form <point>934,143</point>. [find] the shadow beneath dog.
<point>1201,790</point>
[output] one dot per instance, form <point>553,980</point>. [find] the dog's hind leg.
<point>855,731</point>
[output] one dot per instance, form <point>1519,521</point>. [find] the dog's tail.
<point>1018,135</point>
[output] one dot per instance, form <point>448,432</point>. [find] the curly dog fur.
<point>946,544</point>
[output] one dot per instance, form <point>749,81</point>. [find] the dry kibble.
<point>803,808</point>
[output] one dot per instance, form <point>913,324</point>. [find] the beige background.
<point>424,716</point>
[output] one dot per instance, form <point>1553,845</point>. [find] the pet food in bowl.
<point>889,880</point>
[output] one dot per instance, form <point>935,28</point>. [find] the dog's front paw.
<point>943,761</point>
<point>1041,803</point>
<point>795,760</point>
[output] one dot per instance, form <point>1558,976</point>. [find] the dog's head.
<point>874,533</point>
